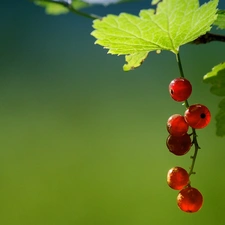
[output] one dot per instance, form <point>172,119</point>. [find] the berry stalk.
<point>195,141</point>
<point>196,116</point>
<point>181,74</point>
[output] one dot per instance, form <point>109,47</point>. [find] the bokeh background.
<point>81,141</point>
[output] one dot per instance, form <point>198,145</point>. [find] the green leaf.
<point>57,8</point>
<point>220,21</point>
<point>220,119</point>
<point>134,60</point>
<point>52,8</point>
<point>173,24</point>
<point>79,4</point>
<point>216,78</point>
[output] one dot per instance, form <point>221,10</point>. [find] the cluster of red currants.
<point>179,142</point>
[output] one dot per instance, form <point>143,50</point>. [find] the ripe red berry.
<point>197,116</point>
<point>179,145</point>
<point>189,200</point>
<point>180,89</point>
<point>176,125</point>
<point>177,178</point>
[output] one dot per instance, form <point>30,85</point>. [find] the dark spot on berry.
<point>171,91</point>
<point>202,115</point>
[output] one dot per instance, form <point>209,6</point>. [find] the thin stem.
<point>208,37</point>
<point>180,65</point>
<point>195,141</point>
<point>181,73</point>
<point>69,6</point>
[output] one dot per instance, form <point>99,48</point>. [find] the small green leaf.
<point>77,4</point>
<point>220,21</point>
<point>216,78</point>
<point>134,60</point>
<point>173,24</point>
<point>52,8</point>
<point>220,119</point>
<point>57,8</point>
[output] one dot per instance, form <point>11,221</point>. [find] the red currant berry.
<point>180,89</point>
<point>197,116</point>
<point>177,178</point>
<point>179,145</point>
<point>189,200</point>
<point>176,125</point>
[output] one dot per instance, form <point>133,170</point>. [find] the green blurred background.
<point>81,141</point>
